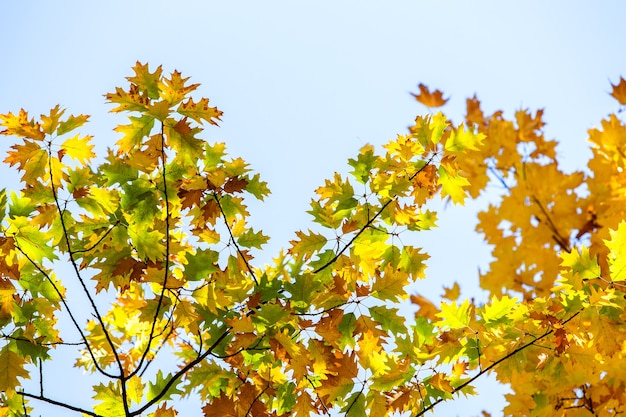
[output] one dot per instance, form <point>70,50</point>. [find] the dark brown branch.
<point>180,373</point>
<point>80,278</point>
<point>58,403</point>
<point>256,399</point>
<point>155,319</point>
<point>69,311</point>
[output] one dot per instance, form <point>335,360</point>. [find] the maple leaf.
<point>390,286</point>
<point>498,308</point>
<point>174,89</point>
<point>619,91</point>
<point>50,121</point>
<point>426,308</point>
<point>461,140</point>
<point>434,99</point>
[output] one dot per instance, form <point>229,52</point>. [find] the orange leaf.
<point>560,340</point>
<point>619,91</point>
<point>164,411</point>
<point>434,99</point>
<point>453,293</point>
<point>235,185</point>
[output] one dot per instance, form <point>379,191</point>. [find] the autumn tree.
<point>157,239</point>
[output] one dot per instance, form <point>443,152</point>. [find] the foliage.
<point>157,231</point>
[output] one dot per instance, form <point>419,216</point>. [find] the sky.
<point>303,85</point>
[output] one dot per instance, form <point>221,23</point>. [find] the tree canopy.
<point>157,237</point>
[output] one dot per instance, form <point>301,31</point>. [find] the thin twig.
<point>370,221</point>
<point>180,373</point>
<point>232,239</point>
<point>493,365</point>
<point>167,256</point>
<point>69,311</point>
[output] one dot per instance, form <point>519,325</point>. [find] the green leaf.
<point>389,319</point>
<point>155,388</point>
<point>139,128</point>
<point>257,188</point>
<point>149,244</point>
<point>363,164</point>
<point>182,138</point>
<point>412,261</point>
<point>356,405</point>
<point>201,264</point>
<point>424,331</point>
<point>72,123</point>
<point>252,239</point>
<point>307,244</point>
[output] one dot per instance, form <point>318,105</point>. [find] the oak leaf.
<point>434,99</point>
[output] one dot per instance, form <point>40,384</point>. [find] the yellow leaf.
<point>454,316</point>
<point>11,368</point>
<point>617,256</point>
<point>440,382</point>
<point>452,293</point>
<point>452,184</point>
<point>20,126</point>
<point>79,148</point>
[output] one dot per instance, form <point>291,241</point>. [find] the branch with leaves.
<point>157,235</point>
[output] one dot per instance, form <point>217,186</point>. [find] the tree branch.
<point>180,373</point>
<point>80,278</point>
<point>69,311</point>
<point>370,221</point>
<point>58,403</point>
<point>493,365</point>
<point>166,202</point>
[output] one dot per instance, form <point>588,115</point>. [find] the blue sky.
<point>303,85</point>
